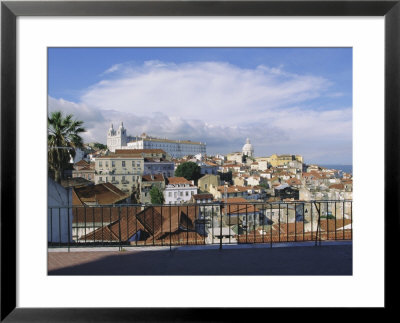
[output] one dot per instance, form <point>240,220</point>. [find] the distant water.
<point>346,168</point>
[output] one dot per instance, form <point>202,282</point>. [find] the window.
<point>169,194</point>
<point>205,186</point>
<point>100,164</point>
<point>113,179</point>
<point>187,193</point>
<point>133,163</point>
<point>100,179</point>
<point>123,163</point>
<point>180,193</point>
<point>123,178</point>
<point>106,163</point>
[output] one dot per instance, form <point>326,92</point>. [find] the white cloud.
<point>113,69</point>
<point>216,103</point>
<point>206,90</point>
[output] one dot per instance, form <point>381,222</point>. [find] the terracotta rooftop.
<point>178,180</point>
<point>102,194</point>
<point>154,222</point>
<point>293,181</point>
<point>233,189</point>
<point>75,182</point>
<point>82,162</point>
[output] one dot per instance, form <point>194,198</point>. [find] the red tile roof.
<point>293,181</point>
<point>82,162</point>
<point>154,222</point>
<point>178,180</point>
<point>101,194</point>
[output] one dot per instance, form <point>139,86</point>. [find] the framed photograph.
<point>309,84</point>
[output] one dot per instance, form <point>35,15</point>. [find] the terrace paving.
<point>287,259</point>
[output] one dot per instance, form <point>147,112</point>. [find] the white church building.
<point>248,149</point>
<point>118,139</point>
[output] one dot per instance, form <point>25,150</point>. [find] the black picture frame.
<point>10,10</point>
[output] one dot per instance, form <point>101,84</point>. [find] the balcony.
<point>195,224</point>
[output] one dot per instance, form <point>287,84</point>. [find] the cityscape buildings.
<point>118,139</point>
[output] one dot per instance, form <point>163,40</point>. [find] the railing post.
<point>254,223</point>
<point>287,222</point>
<point>228,213</point>
<point>152,214</point>
<point>85,223</point>
<point>351,220</point>
<point>279,221</point>
<point>335,220</point>
<point>272,222</point>
<point>295,222</point>
<point>94,227</point>
<point>212,223</point>
<point>69,231</point>
<point>220,229</point>
<point>127,226</point>
<point>304,216</point>
<point>51,226</point>
<point>247,222</point>
<point>327,221</point>
<point>59,227</point>
<point>102,227</point>
<point>318,225</point>
<point>119,227</point>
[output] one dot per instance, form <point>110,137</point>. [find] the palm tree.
<point>63,137</point>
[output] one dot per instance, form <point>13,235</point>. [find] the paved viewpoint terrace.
<point>330,258</point>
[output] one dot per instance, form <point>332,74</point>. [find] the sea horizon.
<point>344,168</point>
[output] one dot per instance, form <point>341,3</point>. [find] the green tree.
<point>157,197</point>
<point>63,137</point>
<point>100,146</point>
<point>189,170</point>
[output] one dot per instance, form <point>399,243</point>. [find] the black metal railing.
<point>200,224</point>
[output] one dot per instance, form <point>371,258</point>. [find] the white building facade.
<point>178,191</point>
<point>116,139</point>
<point>175,148</point>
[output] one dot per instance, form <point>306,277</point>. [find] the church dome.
<point>248,148</point>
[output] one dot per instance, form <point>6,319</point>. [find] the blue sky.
<point>286,100</point>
